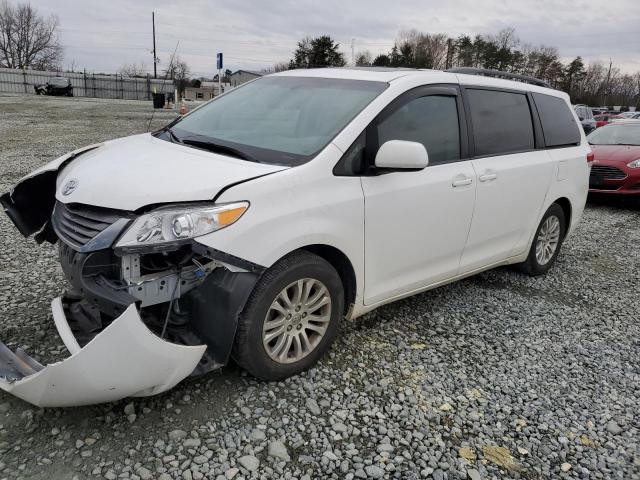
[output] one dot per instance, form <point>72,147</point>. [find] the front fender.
<point>30,203</point>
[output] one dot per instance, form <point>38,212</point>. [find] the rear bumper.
<point>125,359</point>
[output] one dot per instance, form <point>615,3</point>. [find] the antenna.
<point>164,82</point>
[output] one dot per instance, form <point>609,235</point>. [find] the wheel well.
<point>565,204</point>
<point>341,263</point>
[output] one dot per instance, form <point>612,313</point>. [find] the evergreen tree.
<point>317,52</point>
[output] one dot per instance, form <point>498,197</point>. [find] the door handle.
<point>462,182</point>
<point>488,177</point>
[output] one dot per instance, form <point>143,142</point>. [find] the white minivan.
<point>249,228</point>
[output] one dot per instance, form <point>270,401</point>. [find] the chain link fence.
<point>86,84</point>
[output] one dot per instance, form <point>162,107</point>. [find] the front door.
<point>417,222</point>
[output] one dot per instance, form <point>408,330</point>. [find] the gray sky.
<point>103,35</point>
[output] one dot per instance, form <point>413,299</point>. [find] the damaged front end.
<point>136,321</point>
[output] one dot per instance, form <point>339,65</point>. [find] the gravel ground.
<point>496,376</point>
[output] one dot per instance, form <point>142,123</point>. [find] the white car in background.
<point>627,116</point>
<point>252,226</point>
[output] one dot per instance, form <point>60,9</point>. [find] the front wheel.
<point>546,243</point>
<point>291,318</point>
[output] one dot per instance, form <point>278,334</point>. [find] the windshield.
<point>613,134</point>
<point>281,120</point>
<point>58,82</point>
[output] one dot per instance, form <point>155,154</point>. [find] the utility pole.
<point>155,57</point>
<point>353,46</point>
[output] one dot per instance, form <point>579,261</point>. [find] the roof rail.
<point>498,74</point>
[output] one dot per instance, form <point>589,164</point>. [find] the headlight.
<point>174,224</point>
<point>634,164</point>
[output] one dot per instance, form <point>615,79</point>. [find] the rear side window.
<point>558,124</point>
<point>430,120</point>
<point>501,122</point>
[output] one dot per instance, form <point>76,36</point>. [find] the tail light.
<point>591,157</point>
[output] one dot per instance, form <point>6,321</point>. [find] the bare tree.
<point>423,50</point>
<point>27,39</point>
<point>281,67</point>
<point>133,70</point>
<point>505,38</point>
<point>179,72</point>
<point>275,68</point>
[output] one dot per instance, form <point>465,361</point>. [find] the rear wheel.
<point>546,243</point>
<point>291,318</point>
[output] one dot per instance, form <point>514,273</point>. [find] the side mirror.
<point>581,119</point>
<point>402,155</point>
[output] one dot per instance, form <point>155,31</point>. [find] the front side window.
<point>502,122</point>
<point>431,121</point>
<point>281,120</point>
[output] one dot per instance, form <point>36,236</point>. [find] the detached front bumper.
<point>135,323</point>
<point>125,359</point>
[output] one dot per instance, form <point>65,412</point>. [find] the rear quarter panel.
<point>571,179</point>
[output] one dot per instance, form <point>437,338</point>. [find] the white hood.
<point>132,172</point>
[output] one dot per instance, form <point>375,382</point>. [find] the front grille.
<point>78,224</point>
<point>604,187</point>
<point>607,172</point>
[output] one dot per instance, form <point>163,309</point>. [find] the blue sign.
<point>219,60</point>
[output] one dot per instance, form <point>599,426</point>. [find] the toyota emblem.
<point>69,187</point>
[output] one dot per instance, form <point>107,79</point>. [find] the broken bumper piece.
<point>125,359</point>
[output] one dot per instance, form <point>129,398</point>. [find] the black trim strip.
<point>224,257</point>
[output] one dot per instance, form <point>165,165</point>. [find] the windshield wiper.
<point>218,148</point>
<point>173,136</point>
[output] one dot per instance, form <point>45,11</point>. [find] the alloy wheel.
<point>297,320</point>
<point>548,240</point>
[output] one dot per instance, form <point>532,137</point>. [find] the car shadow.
<point>616,201</point>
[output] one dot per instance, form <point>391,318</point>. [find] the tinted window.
<point>353,162</point>
<point>558,124</point>
<point>501,122</point>
<point>432,121</point>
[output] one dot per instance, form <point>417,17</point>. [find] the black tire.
<point>531,265</point>
<point>249,351</point>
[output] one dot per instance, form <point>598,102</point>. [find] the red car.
<point>616,165</point>
<point>604,119</point>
